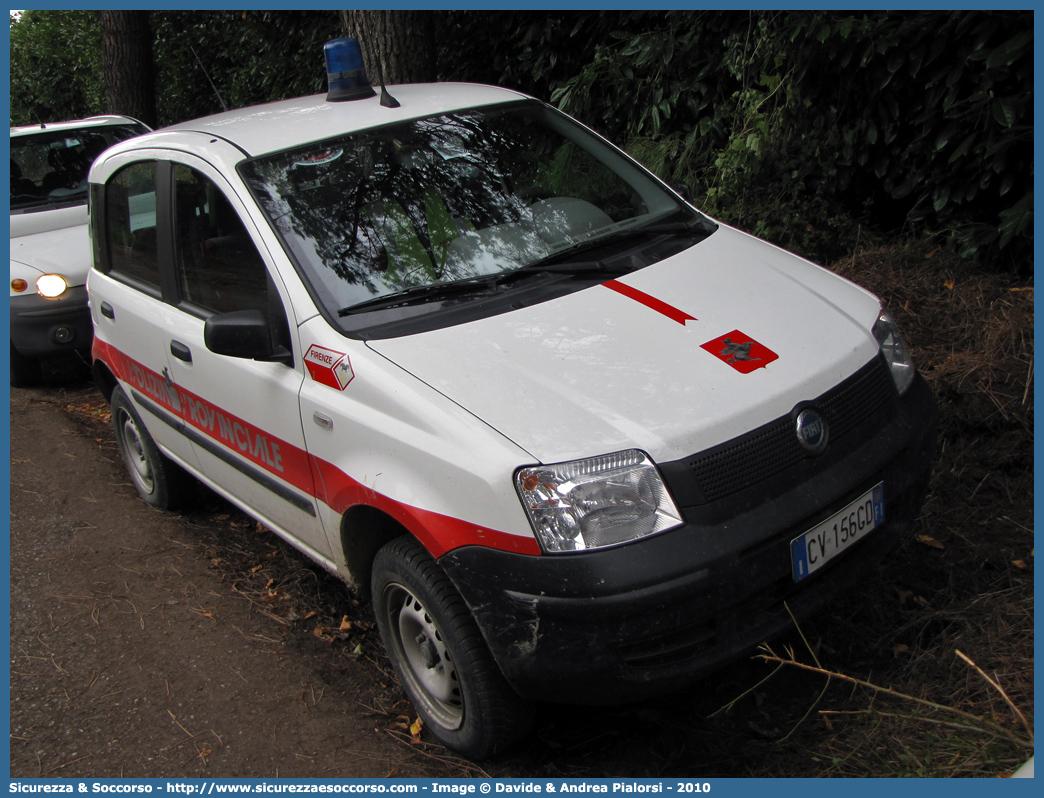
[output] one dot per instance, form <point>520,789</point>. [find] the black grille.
<point>774,447</point>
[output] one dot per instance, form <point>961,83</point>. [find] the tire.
<point>25,371</point>
<point>439,655</point>
<point>159,481</point>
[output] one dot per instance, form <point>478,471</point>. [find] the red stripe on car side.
<point>274,455</point>
<point>316,477</point>
<point>439,533</point>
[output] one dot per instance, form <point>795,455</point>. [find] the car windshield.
<point>409,207</point>
<point>50,167</point>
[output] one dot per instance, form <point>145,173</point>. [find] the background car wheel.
<point>440,656</point>
<point>25,372</point>
<point>159,481</point>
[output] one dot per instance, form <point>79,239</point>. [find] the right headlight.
<point>893,347</point>
<point>596,502</point>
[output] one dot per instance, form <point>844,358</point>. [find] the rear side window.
<point>130,221</point>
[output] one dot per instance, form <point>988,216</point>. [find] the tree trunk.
<point>401,44</point>
<point>127,64</point>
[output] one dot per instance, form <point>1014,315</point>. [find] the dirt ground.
<point>134,654</point>
<point>148,644</point>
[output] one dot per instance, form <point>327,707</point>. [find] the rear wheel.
<point>440,656</point>
<point>159,481</point>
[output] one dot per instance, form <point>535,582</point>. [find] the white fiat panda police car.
<point>578,441</point>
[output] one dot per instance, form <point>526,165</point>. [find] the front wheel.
<point>439,654</point>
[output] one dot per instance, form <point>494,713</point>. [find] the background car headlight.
<point>893,347</point>
<point>51,285</point>
<point>596,502</point>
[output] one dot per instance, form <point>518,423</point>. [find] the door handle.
<point>180,351</point>
<point>107,311</point>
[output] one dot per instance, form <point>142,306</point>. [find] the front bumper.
<point>45,328</point>
<point>618,624</point>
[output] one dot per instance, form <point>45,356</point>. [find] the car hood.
<point>45,220</point>
<point>61,250</point>
<point>657,359</point>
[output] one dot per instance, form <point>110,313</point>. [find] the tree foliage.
<point>252,57</point>
<point>806,127</point>
<point>924,118</point>
<point>811,128</point>
<point>56,68</point>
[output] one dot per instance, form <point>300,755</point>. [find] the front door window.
<point>220,268</point>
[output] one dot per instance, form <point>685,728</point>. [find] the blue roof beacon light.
<point>345,73</point>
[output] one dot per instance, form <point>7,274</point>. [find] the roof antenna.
<point>223,106</point>
<point>386,99</point>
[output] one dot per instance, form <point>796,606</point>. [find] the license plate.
<point>815,548</point>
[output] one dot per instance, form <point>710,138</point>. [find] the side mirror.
<point>244,334</point>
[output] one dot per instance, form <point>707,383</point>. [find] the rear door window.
<point>130,222</point>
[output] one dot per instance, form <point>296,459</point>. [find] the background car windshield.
<point>447,198</point>
<point>50,167</point>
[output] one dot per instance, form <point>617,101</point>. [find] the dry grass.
<point>967,580</point>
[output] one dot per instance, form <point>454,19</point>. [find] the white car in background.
<point>577,441</point>
<point>50,254</point>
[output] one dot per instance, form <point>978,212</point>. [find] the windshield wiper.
<point>698,227</point>
<point>423,293</point>
<point>550,264</point>
<point>419,293</point>
<point>21,202</point>
<point>557,263</point>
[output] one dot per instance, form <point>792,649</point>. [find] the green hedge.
<point>812,129</point>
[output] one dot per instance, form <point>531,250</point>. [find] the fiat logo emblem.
<point>811,431</point>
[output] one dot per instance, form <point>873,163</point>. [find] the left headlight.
<point>893,347</point>
<point>51,286</point>
<point>596,502</point>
